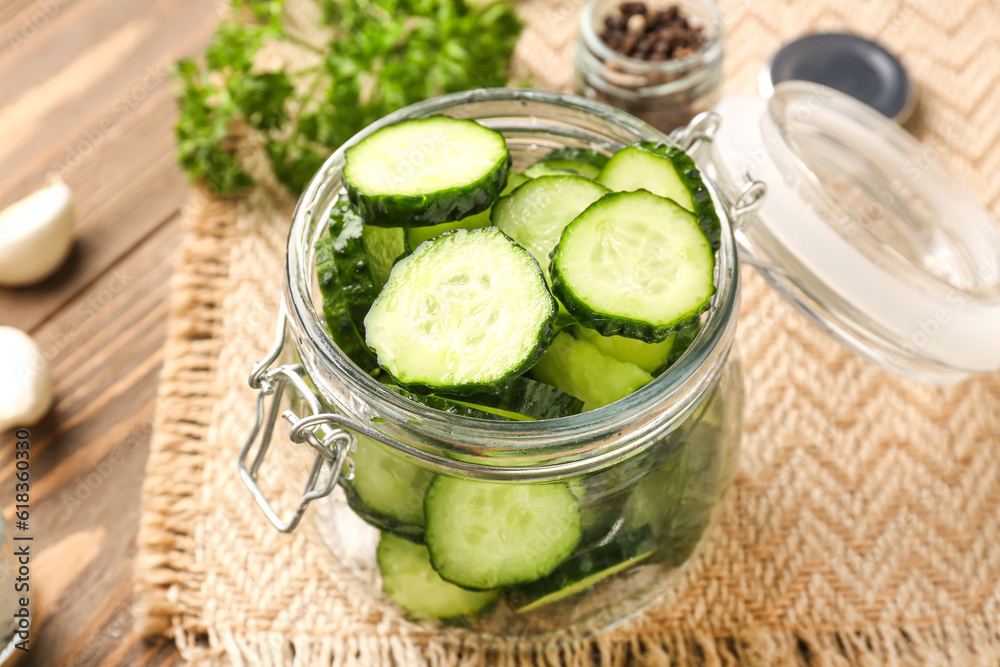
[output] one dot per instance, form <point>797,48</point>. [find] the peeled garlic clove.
<point>25,381</point>
<point>35,235</point>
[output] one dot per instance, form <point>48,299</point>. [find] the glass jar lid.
<point>862,231</point>
<point>859,67</point>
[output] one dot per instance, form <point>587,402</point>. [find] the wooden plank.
<point>134,650</point>
<point>74,153</point>
<point>134,297</point>
<point>127,185</point>
<point>28,308</point>
<point>96,144</point>
<point>73,621</point>
<point>108,228</point>
<point>42,33</point>
<point>93,80</point>
<point>86,481</point>
<point>86,85</point>
<point>21,18</point>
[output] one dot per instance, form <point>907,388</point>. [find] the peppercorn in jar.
<point>661,62</point>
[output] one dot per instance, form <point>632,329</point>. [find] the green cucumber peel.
<point>383,171</point>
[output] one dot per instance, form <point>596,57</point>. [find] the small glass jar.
<point>665,94</point>
<point>647,472</point>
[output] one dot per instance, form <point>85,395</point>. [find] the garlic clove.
<point>25,381</point>
<point>36,234</point>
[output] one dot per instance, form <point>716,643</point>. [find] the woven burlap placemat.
<point>864,526</point>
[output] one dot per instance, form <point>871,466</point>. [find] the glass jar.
<point>862,230</point>
<point>645,473</point>
<point>666,94</point>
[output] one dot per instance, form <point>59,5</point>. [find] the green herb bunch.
<point>385,54</point>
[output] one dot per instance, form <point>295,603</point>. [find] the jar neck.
<point>547,449</point>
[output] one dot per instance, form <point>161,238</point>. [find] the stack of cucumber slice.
<point>513,296</point>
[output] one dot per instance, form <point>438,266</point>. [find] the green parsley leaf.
<point>386,54</point>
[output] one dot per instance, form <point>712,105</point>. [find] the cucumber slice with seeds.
<point>410,581</point>
<point>467,312</point>
<point>668,172</point>
<point>426,171</point>
<point>634,265</point>
<point>536,213</point>
<point>578,368</point>
<point>390,485</point>
<point>484,535</point>
<point>701,200</point>
<point>634,168</point>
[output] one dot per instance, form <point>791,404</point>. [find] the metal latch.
<point>332,445</point>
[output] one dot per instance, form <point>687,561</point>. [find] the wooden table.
<point>85,93</point>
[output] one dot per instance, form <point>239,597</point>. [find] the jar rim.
<point>710,51</point>
<point>543,448</point>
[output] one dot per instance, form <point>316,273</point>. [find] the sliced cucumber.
<point>634,168</point>
<point>384,246</point>
<point>585,169</point>
<point>685,336</point>
<point>657,497</point>
<point>676,500</point>
<point>536,213</point>
<point>588,155</point>
<point>389,485</point>
<point>356,283</point>
<point>467,312</point>
<point>516,178</point>
<point>484,535</point>
<point>578,368</point>
<point>580,573</point>
<point>701,200</point>
<point>650,357</point>
<point>563,320</point>
<point>668,172</point>
<point>410,581</point>
<point>455,407</point>
<point>335,310</point>
<point>634,265</point>
<point>540,169</point>
<point>417,235</point>
<point>527,398</point>
<point>426,171</point>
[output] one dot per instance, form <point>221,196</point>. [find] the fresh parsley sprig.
<point>385,55</point>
